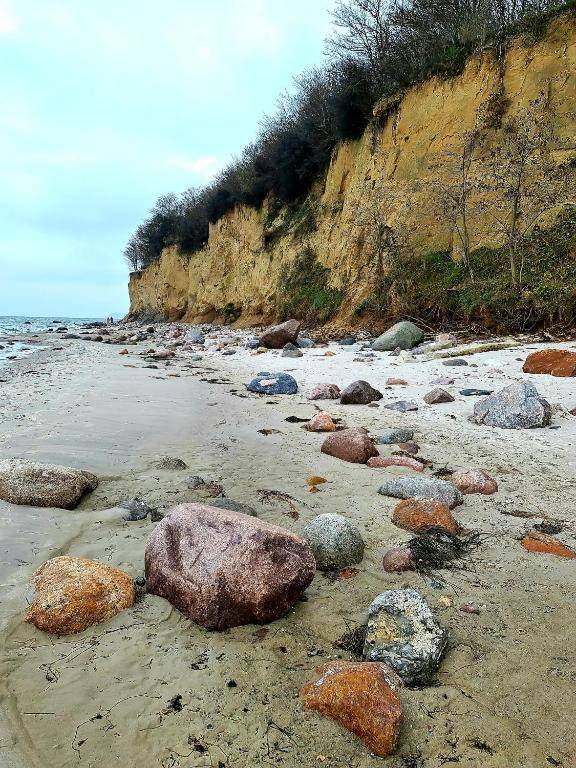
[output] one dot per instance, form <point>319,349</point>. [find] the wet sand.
<point>504,693</point>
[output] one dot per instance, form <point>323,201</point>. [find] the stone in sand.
<point>353,444</point>
<point>404,634</point>
<point>455,362</point>
<point>534,541</point>
<point>398,560</point>
<point>359,393</point>
<point>321,422</point>
<point>325,392</point>
<point>402,406</point>
<point>43,485</point>
<point>474,481</point>
<point>393,382</point>
<point>273,384</point>
<point>224,569</point>
<point>422,488</point>
<point>360,697</point>
<point>305,343</point>
<point>234,506</point>
<point>554,362</point>
<point>171,463</point>
<point>195,336</point>
<point>335,542</point>
<point>419,514</point>
<point>518,406</point>
<point>437,396</point>
<point>290,350</point>
<point>73,593</point>
<point>382,462</point>
<point>137,510</point>
<point>403,335</point>
<point>279,335</point>
<point>394,436</point>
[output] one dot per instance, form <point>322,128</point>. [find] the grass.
<point>305,292</point>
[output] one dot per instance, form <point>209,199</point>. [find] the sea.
<point>14,330</point>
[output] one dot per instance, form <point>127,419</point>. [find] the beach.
<point>504,692</point>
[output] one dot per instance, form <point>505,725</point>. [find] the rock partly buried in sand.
<point>136,510</point>
<point>405,635</point>
<point>360,697</point>
<point>234,506</point>
<point>422,488</point>
<point>224,569</point>
<point>382,462</point>
<point>321,422</point>
<point>359,393</point>
<point>43,485</point>
<point>171,463</point>
<point>474,481</point>
<point>398,560</point>
<point>554,362</point>
<point>404,335</point>
<point>73,593</point>
<point>437,396</point>
<point>394,436</point>
<point>273,384</point>
<point>518,406</point>
<point>402,406</point>
<point>335,542</point>
<point>291,350</point>
<point>353,444</point>
<point>280,335</point>
<point>325,392</point>
<point>534,541</point>
<point>419,514</point>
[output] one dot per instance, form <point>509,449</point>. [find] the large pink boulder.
<point>224,569</point>
<point>352,444</point>
<point>278,336</point>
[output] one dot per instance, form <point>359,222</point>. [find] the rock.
<point>381,462</point>
<point>290,350</point>
<point>137,510</point>
<point>273,384</point>
<point>443,381</point>
<point>534,541</point>
<point>402,406</point>
<point>360,697</point>
<point>554,362</point>
<point>398,560</point>
<point>403,335</point>
<point>422,488</point>
<point>163,355</point>
<point>234,506</point>
<point>335,542</point>
<point>359,393</point>
<point>352,445</point>
<point>229,352</point>
<point>253,343</point>
<point>223,569</point>
<point>476,392</point>
<point>325,392</point>
<point>279,335</point>
<point>409,447</point>
<point>474,481</point>
<point>195,336</point>
<point>347,342</point>
<point>170,462</point>
<point>43,485</point>
<point>305,343</point>
<point>455,362</point>
<point>396,382</point>
<point>470,608</point>
<point>437,396</point>
<point>321,422</point>
<point>73,593</point>
<point>403,633</point>
<point>394,436</point>
<point>419,514</point>
<point>208,489</point>
<point>518,406</point>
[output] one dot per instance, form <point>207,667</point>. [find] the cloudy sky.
<point>105,105</point>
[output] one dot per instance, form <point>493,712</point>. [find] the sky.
<point>104,106</point>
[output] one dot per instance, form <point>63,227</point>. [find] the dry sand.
<point>504,694</point>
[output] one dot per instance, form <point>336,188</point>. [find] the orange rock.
<point>378,462</point>
<point>361,697</point>
<point>419,514</point>
<point>321,422</point>
<point>534,541</point>
<point>316,480</point>
<point>74,593</point>
<point>555,362</point>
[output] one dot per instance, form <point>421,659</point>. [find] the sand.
<point>504,694</point>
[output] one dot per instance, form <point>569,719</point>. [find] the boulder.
<point>419,514</point>
<point>73,593</point>
<point>273,384</point>
<point>360,697</point>
<point>382,462</point>
<point>335,542</point>
<point>280,335</point>
<point>321,422</point>
<point>43,485</point>
<point>394,436</point>
<point>325,392</point>
<point>437,396</point>
<point>404,634</point>
<point>398,560</point>
<point>353,444</point>
<point>518,406</point>
<point>422,488</point>
<point>359,393</point>
<point>304,343</point>
<point>223,569</point>
<point>474,481</point>
<point>403,335</point>
<point>291,350</point>
<point>554,362</point>
<point>233,506</point>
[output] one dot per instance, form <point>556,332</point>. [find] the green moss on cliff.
<point>304,290</point>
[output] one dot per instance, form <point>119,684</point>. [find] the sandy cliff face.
<point>432,174</point>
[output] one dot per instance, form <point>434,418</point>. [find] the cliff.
<point>459,188</point>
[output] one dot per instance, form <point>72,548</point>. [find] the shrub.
<point>306,294</point>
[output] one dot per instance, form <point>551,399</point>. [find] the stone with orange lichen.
<point>321,422</point>
<point>361,697</point>
<point>534,541</point>
<point>555,362</point>
<point>419,514</point>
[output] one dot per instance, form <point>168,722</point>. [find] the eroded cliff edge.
<point>456,185</point>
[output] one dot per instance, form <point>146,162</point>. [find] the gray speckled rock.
<point>291,350</point>
<point>273,384</point>
<point>335,542</point>
<point>305,343</point>
<point>137,510</point>
<point>394,436</point>
<point>195,336</point>
<point>233,506</point>
<point>404,335</point>
<point>252,343</point>
<point>518,406</point>
<point>402,406</point>
<point>43,485</point>
<point>422,488</point>
<point>403,633</point>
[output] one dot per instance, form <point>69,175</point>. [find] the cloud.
<point>205,167</point>
<point>8,20</point>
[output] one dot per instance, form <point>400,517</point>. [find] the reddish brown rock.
<point>534,541</point>
<point>396,382</point>
<point>359,393</point>
<point>325,392</point>
<point>280,335</point>
<point>474,481</point>
<point>73,593</point>
<point>361,697</point>
<point>409,447</point>
<point>555,362</point>
<point>224,569</point>
<point>352,445</point>
<point>321,422</point>
<point>395,461</point>
<point>419,514</point>
<point>398,560</point>
<point>437,396</point>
